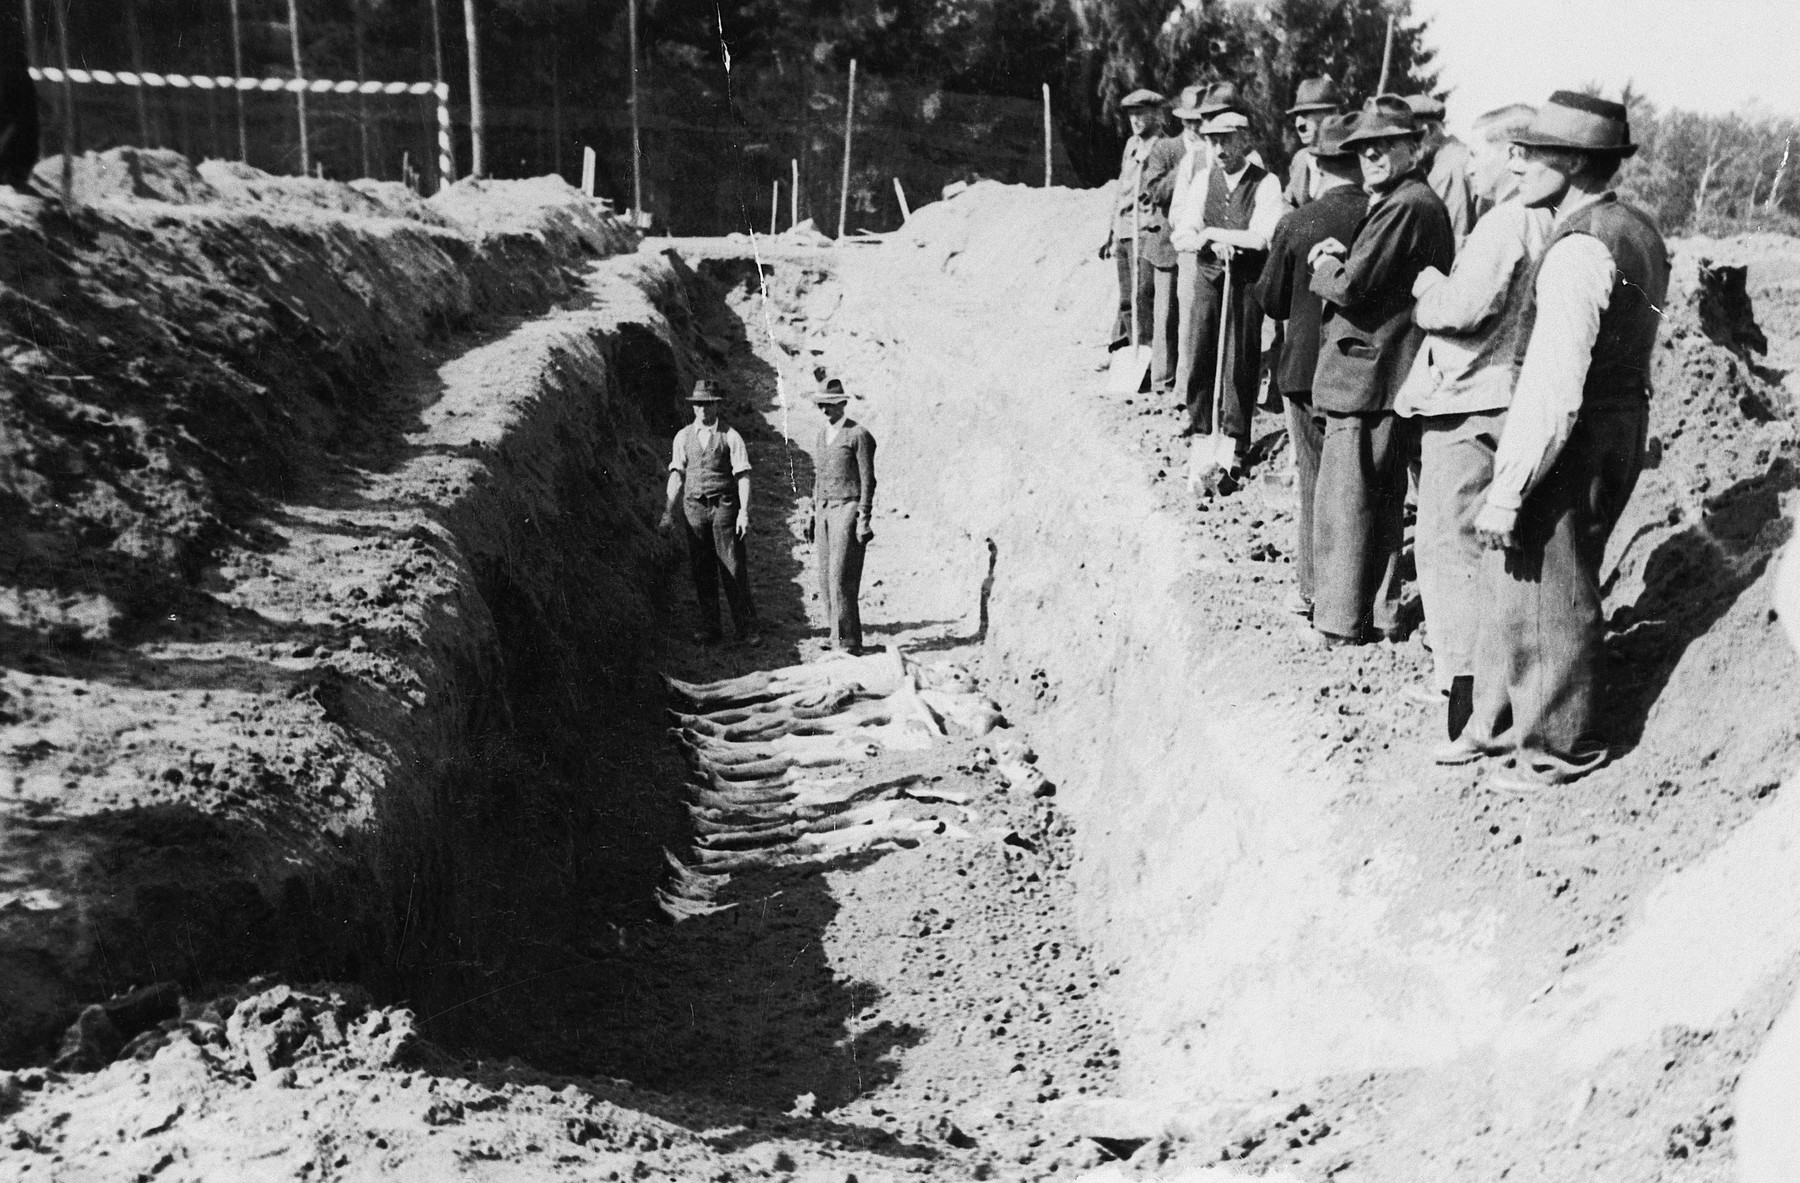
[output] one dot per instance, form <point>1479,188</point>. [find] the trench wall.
<point>1264,934</point>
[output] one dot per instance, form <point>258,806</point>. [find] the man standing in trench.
<point>709,477</point>
<point>1571,451</point>
<point>1366,347</point>
<point>843,504</point>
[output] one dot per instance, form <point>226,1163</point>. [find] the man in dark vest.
<point>709,477</point>
<point>1315,100</point>
<point>843,459</point>
<point>1335,209</point>
<point>1366,347</point>
<point>1225,223</point>
<point>1571,450</point>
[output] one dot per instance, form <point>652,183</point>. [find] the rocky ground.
<point>952,1008</point>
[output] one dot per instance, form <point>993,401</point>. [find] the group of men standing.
<point>1474,320</point>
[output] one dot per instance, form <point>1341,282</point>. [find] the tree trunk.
<point>136,47</point>
<point>237,71</point>
<point>362,75</point>
<point>299,74</point>
<point>477,113</point>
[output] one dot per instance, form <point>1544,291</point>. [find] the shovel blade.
<point>1129,371</point>
<point>1210,460</point>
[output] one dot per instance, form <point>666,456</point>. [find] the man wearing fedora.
<point>1366,346</point>
<point>1456,396</point>
<point>1314,100</point>
<point>709,477</point>
<point>1337,205</point>
<point>843,458</point>
<point>1224,220</point>
<point>1444,159</point>
<point>1572,448</point>
<point>1146,183</point>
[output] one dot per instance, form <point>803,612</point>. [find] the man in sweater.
<point>1336,206</point>
<point>1445,162</point>
<point>1366,347</point>
<point>1223,224</point>
<point>709,477</point>
<point>1457,394</point>
<point>1135,217</point>
<point>843,458</point>
<point>1572,448</point>
<point>1315,100</point>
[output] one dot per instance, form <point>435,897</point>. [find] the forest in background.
<point>734,92</point>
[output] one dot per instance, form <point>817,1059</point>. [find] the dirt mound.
<point>126,174</point>
<point>546,208</point>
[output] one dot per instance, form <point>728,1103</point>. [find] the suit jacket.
<point>1283,292</point>
<point>1158,190</point>
<point>1367,340</point>
<point>1299,183</point>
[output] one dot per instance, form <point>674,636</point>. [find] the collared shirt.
<point>1574,286</point>
<point>1265,211</point>
<point>704,436</point>
<point>1189,197</point>
<point>1475,317</point>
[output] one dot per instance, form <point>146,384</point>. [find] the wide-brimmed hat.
<point>1220,96</point>
<point>1141,100</point>
<point>1188,105</point>
<point>831,392</point>
<point>1333,131</point>
<point>1384,117</point>
<point>1316,94</point>
<point>1580,122</point>
<point>1224,123</point>
<point>1425,107</point>
<point>705,392</point>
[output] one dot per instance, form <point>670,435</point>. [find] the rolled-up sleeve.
<point>1574,286</point>
<point>740,455</point>
<point>1266,210</point>
<point>865,470</point>
<point>678,453</point>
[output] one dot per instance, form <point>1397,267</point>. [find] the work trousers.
<point>1357,508</point>
<point>1540,663</point>
<point>1306,434</point>
<point>1165,330</point>
<point>1456,465</point>
<point>1146,277</point>
<point>840,555</point>
<point>716,555</point>
<point>1199,295</point>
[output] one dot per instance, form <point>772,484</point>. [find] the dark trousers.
<point>1357,510</point>
<point>1146,280</point>
<point>1200,291</point>
<point>1306,433</point>
<point>840,555</point>
<point>1541,656</point>
<point>716,555</point>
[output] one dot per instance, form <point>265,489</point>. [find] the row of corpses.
<point>773,764</point>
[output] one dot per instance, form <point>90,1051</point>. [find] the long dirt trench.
<point>1226,919</point>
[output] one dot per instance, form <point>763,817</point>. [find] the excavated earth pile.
<point>339,648</point>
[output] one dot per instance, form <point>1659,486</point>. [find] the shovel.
<point>1130,366</point>
<point>1210,459</point>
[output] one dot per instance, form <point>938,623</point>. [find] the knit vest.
<point>1619,374</point>
<point>708,471</point>
<point>1231,210</point>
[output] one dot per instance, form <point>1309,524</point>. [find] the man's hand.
<point>667,524</point>
<point>743,522</point>
<point>1330,246</point>
<point>1494,528</point>
<point>1220,251</point>
<point>1426,280</point>
<point>1106,248</point>
<point>865,533</point>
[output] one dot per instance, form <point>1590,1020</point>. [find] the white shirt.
<point>1266,208</point>
<point>1574,286</point>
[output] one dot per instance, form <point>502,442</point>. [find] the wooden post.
<point>477,111</point>
<point>300,76</point>
<point>794,196</point>
<point>905,210</point>
<point>30,37</point>
<point>849,123</point>
<point>237,71</point>
<point>446,148</point>
<point>1047,135</point>
<point>60,10</point>
<point>1387,56</point>
<point>587,171</point>
<point>774,207</point>
<point>357,23</point>
<point>135,45</point>
<point>637,150</point>
<point>555,106</point>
